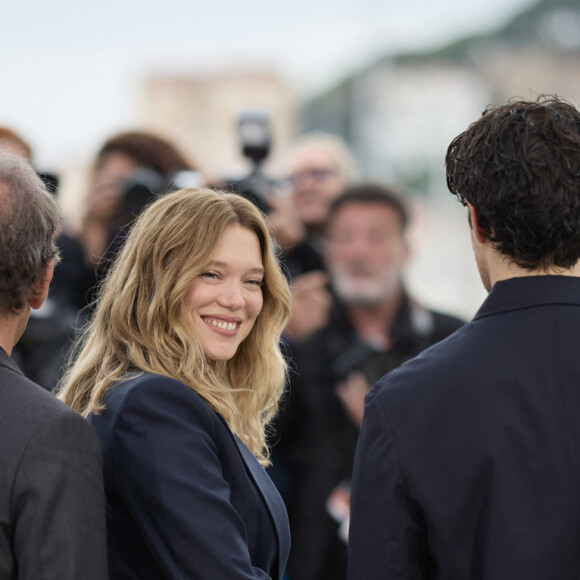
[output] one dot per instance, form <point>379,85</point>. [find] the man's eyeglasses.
<point>303,178</point>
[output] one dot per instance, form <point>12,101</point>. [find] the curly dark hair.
<point>519,166</point>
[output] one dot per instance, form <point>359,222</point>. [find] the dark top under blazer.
<point>468,464</point>
<point>185,497</point>
<point>52,505</point>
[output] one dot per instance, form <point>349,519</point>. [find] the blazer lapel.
<point>273,501</point>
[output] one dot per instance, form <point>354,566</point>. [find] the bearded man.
<point>374,327</point>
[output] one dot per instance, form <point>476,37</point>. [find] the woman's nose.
<point>232,296</point>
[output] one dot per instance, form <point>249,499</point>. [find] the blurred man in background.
<point>468,463</point>
<point>320,166</point>
<point>374,326</point>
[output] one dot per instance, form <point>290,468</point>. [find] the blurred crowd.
<point>343,242</point>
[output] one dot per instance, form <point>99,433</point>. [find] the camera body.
<point>254,135</point>
<point>255,142</point>
<point>255,139</point>
<point>144,185</point>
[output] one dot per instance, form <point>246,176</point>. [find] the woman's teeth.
<point>222,324</point>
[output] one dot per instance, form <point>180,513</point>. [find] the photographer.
<point>374,326</point>
<point>273,196</point>
<point>320,166</point>
<point>126,162</point>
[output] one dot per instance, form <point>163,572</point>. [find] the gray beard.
<point>371,293</point>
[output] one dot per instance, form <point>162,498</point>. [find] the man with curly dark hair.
<point>468,464</point>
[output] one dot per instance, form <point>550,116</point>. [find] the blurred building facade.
<point>400,113</point>
<point>200,114</point>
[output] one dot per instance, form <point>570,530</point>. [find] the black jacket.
<point>468,464</point>
<point>52,505</point>
<point>185,497</point>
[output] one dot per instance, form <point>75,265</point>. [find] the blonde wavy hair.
<point>141,324</point>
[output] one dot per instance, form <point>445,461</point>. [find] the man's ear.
<point>477,230</point>
<point>40,290</point>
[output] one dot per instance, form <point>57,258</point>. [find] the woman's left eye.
<point>258,283</point>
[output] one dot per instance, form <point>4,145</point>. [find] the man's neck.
<point>503,269</point>
<point>372,322</point>
<point>11,329</point>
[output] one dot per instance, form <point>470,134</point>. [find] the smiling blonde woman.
<point>179,372</point>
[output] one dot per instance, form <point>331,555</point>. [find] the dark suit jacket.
<point>52,505</point>
<point>185,497</point>
<point>468,464</point>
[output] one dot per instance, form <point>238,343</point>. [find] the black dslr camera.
<point>255,141</point>
<point>144,185</point>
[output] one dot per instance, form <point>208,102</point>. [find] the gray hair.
<point>336,149</point>
<point>29,220</point>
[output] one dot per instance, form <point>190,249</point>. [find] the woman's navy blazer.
<point>185,497</point>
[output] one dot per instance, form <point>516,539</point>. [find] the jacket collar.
<point>530,291</point>
<point>6,361</point>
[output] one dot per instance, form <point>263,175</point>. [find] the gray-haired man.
<point>52,514</point>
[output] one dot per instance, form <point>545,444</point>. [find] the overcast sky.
<point>71,69</point>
